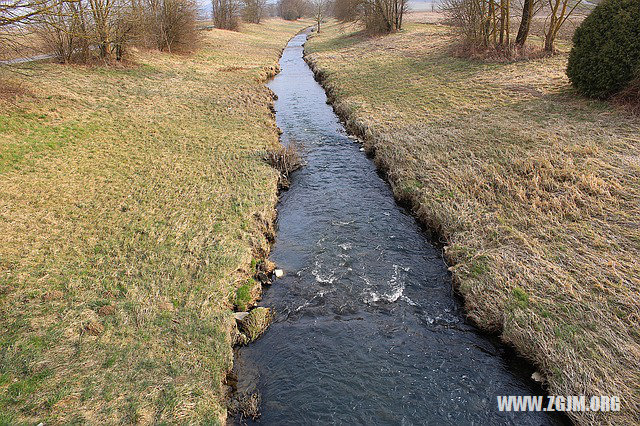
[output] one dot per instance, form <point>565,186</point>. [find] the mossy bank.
<point>533,190</point>
<point>134,201</point>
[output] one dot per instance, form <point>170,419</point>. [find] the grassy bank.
<point>133,201</point>
<point>534,190</point>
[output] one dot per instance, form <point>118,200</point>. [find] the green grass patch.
<point>521,297</point>
<point>243,297</point>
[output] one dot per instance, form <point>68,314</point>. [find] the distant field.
<point>534,190</point>
<point>133,201</point>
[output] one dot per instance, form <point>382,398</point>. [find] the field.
<point>134,199</point>
<point>534,191</point>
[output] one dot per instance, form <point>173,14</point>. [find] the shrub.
<point>606,49</point>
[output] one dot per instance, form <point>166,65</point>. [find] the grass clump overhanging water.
<point>534,189</point>
<point>286,160</point>
<point>132,202</point>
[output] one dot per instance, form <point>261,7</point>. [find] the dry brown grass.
<point>133,202</point>
<point>12,89</point>
<point>498,54</point>
<point>534,190</point>
<point>629,98</point>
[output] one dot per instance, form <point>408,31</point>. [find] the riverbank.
<point>134,200</point>
<point>533,189</point>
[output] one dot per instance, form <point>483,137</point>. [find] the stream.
<point>367,329</point>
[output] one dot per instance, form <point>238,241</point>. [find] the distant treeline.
<point>80,30</point>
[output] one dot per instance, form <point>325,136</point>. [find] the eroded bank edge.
<point>251,321</point>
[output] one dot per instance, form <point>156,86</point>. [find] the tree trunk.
<point>492,13</point>
<point>486,23</point>
<point>508,23</point>
<point>525,24</point>
<point>549,42</point>
<point>550,36</point>
<point>502,22</point>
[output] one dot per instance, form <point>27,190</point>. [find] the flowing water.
<point>367,330</point>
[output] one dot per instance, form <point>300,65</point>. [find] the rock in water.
<point>255,323</point>
<point>278,273</point>
<point>263,278</point>
<point>239,316</point>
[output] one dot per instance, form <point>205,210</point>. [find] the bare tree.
<point>320,9</point>
<point>171,23</point>
<point>484,22</point>
<point>292,9</point>
<point>505,22</point>
<point>23,12</point>
<point>225,14</point>
<point>101,14</point>
<point>253,10</point>
<point>18,18</point>
<point>125,20</point>
<point>78,29</point>
<point>487,23</point>
<point>75,29</point>
<point>476,19</point>
<point>64,30</point>
<point>378,16</point>
<point>560,11</point>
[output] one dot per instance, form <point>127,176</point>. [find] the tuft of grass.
<point>243,297</point>
<point>521,297</point>
<point>247,295</point>
<point>535,189</point>
<point>132,202</point>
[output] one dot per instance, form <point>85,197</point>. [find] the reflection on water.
<point>367,328</point>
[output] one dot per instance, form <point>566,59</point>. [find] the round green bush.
<point>606,49</point>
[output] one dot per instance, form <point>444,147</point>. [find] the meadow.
<point>134,201</point>
<point>533,190</point>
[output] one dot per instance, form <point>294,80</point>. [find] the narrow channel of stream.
<point>368,330</point>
